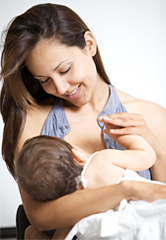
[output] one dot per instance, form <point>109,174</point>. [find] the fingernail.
<point>112,130</point>
<point>105,117</point>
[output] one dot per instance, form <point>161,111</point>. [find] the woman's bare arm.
<point>147,120</point>
<point>66,211</point>
<point>32,233</point>
<point>69,209</point>
<point>139,154</point>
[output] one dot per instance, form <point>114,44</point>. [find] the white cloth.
<point>83,179</point>
<point>133,176</point>
<point>131,220</point>
<point>138,220</point>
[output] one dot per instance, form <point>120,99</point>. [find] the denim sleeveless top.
<point>57,124</point>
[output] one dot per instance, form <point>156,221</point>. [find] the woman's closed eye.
<point>42,82</point>
<point>63,72</point>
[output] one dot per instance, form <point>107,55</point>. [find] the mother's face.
<point>65,72</point>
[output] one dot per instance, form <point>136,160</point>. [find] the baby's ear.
<point>79,155</point>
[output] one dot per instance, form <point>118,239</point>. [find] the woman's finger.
<point>124,131</point>
<point>123,119</point>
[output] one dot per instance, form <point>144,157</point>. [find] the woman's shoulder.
<point>35,119</point>
<point>154,114</point>
<point>136,105</point>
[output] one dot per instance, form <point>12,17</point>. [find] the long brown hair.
<point>20,90</point>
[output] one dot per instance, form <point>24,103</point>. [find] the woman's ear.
<point>90,43</point>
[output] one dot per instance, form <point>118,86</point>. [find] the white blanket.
<point>136,220</point>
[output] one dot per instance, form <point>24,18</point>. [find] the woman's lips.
<point>75,93</point>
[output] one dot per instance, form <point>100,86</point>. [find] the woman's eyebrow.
<point>54,68</point>
<point>60,64</point>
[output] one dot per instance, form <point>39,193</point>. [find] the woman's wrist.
<point>127,190</point>
<point>158,169</point>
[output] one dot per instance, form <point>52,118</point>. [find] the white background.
<point>131,35</point>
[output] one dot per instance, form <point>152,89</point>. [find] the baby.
<point>49,167</point>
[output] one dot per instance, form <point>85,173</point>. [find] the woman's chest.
<point>86,133</point>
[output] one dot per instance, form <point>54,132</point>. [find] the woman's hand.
<point>123,123</point>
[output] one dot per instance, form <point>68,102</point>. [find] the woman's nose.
<point>61,86</point>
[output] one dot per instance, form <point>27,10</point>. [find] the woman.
<point>55,84</point>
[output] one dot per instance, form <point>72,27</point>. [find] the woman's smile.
<point>65,72</point>
<point>75,93</point>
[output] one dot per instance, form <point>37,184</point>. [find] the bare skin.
<point>31,233</point>
<point>82,112</point>
<point>126,188</point>
<point>141,105</point>
<point>147,125</point>
<point>133,105</point>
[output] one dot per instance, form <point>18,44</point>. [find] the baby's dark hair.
<point>46,169</point>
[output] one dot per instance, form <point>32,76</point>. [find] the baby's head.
<point>46,168</point>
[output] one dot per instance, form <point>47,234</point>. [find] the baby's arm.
<point>139,154</point>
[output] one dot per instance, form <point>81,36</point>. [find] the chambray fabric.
<point>57,124</point>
